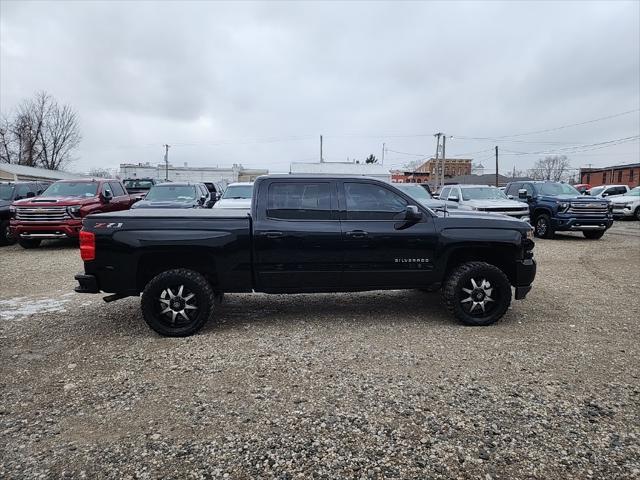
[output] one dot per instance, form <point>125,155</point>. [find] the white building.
<point>221,176</point>
<point>374,170</point>
<point>14,173</point>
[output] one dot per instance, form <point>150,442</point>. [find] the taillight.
<point>87,246</point>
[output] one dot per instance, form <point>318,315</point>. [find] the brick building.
<point>453,167</point>
<point>616,174</point>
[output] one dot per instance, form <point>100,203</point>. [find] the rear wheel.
<point>477,293</point>
<point>29,242</point>
<point>177,303</point>
<point>593,235</point>
<point>5,234</point>
<point>543,227</point>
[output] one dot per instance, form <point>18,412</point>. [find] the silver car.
<point>484,198</point>
<point>424,197</point>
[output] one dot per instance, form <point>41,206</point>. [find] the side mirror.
<point>31,194</point>
<point>605,195</point>
<point>522,194</point>
<point>107,196</point>
<point>202,199</point>
<point>453,199</point>
<point>412,214</point>
<point>510,197</point>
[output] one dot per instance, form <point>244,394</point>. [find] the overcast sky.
<point>257,83</point>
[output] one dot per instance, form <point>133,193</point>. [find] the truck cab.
<point>559,207</point>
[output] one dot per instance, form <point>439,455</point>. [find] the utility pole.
<point>437,165</point>
<point>166,162</point>
<point>382,160</point>
<point>444,160</point>
<point>321,159</point>
<point>496,165</point>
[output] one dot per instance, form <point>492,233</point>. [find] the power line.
<point>579,148</point>
<point>561,127</point>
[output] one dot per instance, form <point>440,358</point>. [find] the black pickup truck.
<point>305,234</point>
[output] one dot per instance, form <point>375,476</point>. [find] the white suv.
<point>484,198</point>
<point>604,191</point>
<point>627,205</point>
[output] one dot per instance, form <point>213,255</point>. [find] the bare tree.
<point>371,159</point>
<point>41,133</point>
<point>553,168</point>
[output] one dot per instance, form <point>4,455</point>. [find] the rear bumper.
<point>86,283</point>
<point>68,229</point>
<point>581,224</point>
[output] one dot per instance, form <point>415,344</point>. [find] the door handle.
<point>272,234</point>
<point>357,234</point>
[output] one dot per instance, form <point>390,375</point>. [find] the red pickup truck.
<point>59,211</point>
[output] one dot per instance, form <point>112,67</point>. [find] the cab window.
<point>367,201</point>
<point>299,201</point>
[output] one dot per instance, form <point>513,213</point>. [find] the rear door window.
<point>299,201</point>
<point>367,201</point>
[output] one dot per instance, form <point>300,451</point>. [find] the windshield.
<point>238,191</point>
<point>483,193</point>
<point>138,184</point>
<point>596,190</point>
<point>71,189</point>
<point>6,192</point>
<point>416,191</point>
<point>174,193</point>
<point>556,189</point>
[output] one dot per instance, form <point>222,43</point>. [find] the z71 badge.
<point>107,225</point>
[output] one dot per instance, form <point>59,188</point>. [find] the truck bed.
<point>217,240</point>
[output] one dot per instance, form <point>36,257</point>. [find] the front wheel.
<point>477,293</point>
<point>542,227</point>
<point>593,235</point>
<point>637,213</point>
<point>29,242</point>
<point>177,303</point>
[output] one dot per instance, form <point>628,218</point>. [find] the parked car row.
<point>549,206</point>
<point>32,211</point>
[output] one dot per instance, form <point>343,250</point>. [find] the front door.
<point>378,251</point>
<point>297,237</point>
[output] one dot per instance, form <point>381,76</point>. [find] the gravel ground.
<point>366,385</point>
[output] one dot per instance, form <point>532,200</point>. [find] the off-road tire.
<point>637,213</point>
<point>460,276</point>
<point>542,226</point>
<point>195,283</point>
<point>29,242</point>
<point>594,234</point>
<point>5,238</point>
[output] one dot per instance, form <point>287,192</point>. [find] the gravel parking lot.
<point>366,385</point>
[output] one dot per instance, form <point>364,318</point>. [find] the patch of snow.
<point>20,307</point>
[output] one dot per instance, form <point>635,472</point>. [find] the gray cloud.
<point>221,81</point>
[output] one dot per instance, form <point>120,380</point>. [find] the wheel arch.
<point>502,256</point>
<point>153,263</point>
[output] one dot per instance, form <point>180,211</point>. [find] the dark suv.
<point>9,192</point>
<point>555,206</point>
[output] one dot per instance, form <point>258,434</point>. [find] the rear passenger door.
<point>297,237</point>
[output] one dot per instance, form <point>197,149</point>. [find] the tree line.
<point>39,133</point>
